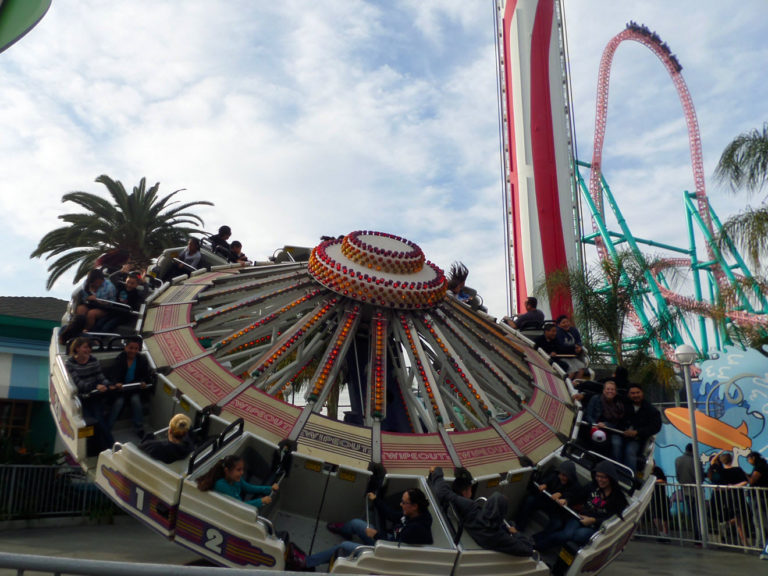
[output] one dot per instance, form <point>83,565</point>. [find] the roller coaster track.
<point>718,267</point>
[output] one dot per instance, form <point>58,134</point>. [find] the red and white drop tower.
<point>541,211</point>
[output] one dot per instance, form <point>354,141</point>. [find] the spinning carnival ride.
<point>257,356</point>
<point>431,383</point>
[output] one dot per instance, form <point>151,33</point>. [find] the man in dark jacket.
<point>642,420</point>
<point>484,521</point>
<point>412,525</point>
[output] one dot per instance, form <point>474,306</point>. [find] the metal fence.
<point>736,517</point>
<point>28,492</point>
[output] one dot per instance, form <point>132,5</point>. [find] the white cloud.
<point>301,118</point>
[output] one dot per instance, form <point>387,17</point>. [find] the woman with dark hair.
<point>95,288</point>
<point>605,499</point>
<point>413,525</point>
<point>226,477</point>
<point>91,385</point>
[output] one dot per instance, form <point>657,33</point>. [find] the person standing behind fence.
<point>734,503</point>
<point>686,474</point>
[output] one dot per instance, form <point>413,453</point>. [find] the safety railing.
<point>29,492</point>
<point>736,516</point>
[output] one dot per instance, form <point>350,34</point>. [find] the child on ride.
<point>226,477</point>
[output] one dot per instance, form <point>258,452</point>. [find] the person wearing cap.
<point>564,489</point>
<point>178,445</point>
<point>605,499</point>
<point>484,521</point>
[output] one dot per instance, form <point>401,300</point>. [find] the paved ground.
<point>128,541</point>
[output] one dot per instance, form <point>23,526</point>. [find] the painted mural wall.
<point>731,396</point>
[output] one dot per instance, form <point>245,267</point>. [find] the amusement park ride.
<point>541,173</point>
<point>255,354</point>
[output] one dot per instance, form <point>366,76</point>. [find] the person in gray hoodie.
<point>483,520</point>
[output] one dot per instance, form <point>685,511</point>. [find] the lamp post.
<point>686,355</point>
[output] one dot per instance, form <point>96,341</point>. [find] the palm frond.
<point>141,223</point>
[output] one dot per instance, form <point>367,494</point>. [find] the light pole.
<point>686,355</point>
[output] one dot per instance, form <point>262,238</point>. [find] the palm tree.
<point>744,164</point>
<point>140,223</point>
<point>604,296</point>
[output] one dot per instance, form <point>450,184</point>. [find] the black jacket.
<point>572,491</point>
<point>416,530</point>
<point>647,420</point>
<point>165,450</point>
<point>143,373</point>
<point>484,521</point>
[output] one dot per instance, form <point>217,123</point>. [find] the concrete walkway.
<point>129,541</point>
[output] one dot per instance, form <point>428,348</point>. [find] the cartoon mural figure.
<point>731,397</point>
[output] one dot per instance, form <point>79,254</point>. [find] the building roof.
<point>39,308</point>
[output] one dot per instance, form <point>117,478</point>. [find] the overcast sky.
<point>302,118</point>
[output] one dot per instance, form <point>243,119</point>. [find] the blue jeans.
<point>573,530</point>
<point>355,527</point>
<point>137,411</point>
<point>617,446</point>
<point>631,450</point>
<point>324,557</point>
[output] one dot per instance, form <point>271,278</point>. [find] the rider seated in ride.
<point>128,295</point>
<point>413,525</point>
<point>608,413</point>
<point>226,477</point>
<point>96,287</point>
<point>604,499</point>
<point>531,319</point>
<point>130,367</point>
<point>191,256</point>
<point>569,341</point>
<point>236,253</point>
<point>91,384</point>
<point>219,242</point>
<point>559,488</point>
<point>483,520</point>
<point>178,446</point>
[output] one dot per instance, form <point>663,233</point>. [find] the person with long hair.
<point>92,386</point>
<point>605,499</point>
<point>607,412</point>
<point>96,288</point>
<point>226,477</point>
